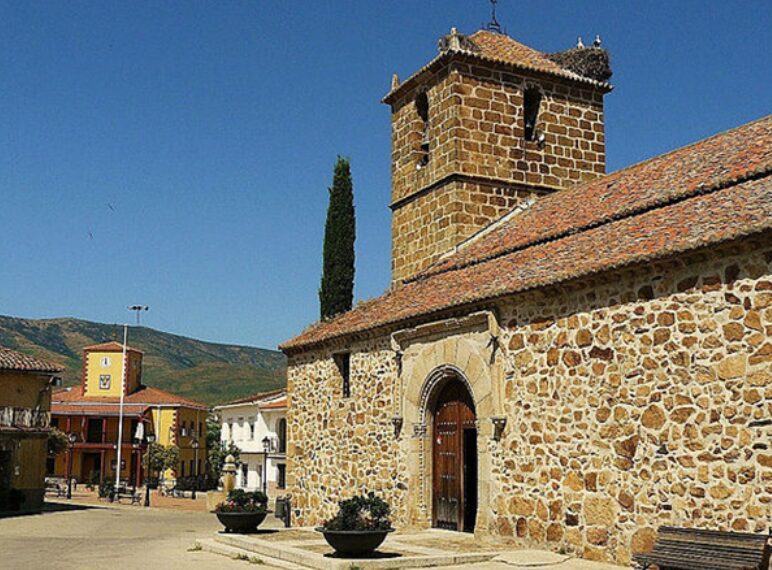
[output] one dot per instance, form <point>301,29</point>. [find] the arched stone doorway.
<point>427,368</point>
<point>454,456</point>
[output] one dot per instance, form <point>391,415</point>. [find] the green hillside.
<point>205,371</point>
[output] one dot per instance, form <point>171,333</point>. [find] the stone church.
<point>565,358</point>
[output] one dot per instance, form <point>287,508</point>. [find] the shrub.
<point>106,488</point>
<point>365,512</point>
<point>57,442</point>
<point>241,501</point>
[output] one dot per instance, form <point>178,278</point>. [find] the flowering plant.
<point>240,501</point>
<point>365,512</point>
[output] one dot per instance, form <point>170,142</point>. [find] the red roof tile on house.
<point>17,361</point>
<point>111,346</point>
<point>145,396</point>
<point>277,404</point>
<point>711,192</point>
<point>257,398</point>
<point>85,409</point>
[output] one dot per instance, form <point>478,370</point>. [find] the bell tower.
<point>486,126</point>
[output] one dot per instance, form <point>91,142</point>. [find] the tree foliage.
<point>336,293</point>
<point>57,442</point>
<point>161,457</point>
<point>217,454</point>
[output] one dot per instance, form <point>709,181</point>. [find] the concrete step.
<point>215,547</point>
<point>299,555</point>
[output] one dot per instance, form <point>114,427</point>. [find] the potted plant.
<point>242,511</point>
<point>360,526</point>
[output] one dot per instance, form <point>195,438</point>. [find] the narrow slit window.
<point>343,362</point>
<point>531,104</point>
<point>422,108</point>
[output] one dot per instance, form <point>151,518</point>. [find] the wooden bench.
<point>126,493</point>
<point>694,549</point>
<point>57,486</point>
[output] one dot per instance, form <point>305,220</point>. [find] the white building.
<point>257,425</point>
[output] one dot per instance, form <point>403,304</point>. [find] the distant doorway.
<point>91,468</point>
<point>454,459</point>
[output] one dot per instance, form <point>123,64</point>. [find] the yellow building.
<point>91,412</point>
<point>25,401</point>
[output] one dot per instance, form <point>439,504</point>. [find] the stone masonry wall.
<point>476,130</point>
<point>338,447</point>
<point>630,403</point>
<point>434,224</point>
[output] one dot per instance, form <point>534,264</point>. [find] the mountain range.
<point>209,372</point>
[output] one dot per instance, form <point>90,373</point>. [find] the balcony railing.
<point>24,417</point>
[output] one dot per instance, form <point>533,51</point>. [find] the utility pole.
<point>138,309</point>
<point>120,411</point>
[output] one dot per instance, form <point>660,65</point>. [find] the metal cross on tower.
<point>493,25</point>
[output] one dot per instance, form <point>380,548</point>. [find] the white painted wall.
<point>245,426</point>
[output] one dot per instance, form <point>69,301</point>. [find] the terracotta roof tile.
<point>110,346</point>
<point>14,360</point>
<point>257,398</point>
<point>146,395</point>
<point>711,192</point>
<point>722,159</point>
<point>277,404</point>
<point>85,409</point>
<point>501,49</point>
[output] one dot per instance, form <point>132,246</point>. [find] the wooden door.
<point>454,424</point>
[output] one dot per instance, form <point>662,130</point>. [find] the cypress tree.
<point>336,293</point>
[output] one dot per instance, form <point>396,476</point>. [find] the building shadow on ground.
<point>49,507</point>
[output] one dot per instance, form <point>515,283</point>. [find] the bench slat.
<point>698,549</point>
<point>717,550</point>
<point>695,564</point>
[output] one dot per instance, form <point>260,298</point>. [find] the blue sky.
<point>195,140</point>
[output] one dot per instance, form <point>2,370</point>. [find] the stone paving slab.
<point>439,549</point>
<point>308,549</point>
<point>531,558</point>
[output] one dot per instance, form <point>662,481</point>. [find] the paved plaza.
<point>110,537</point>
<point>87,535</point>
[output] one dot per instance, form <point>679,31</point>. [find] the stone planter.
<point>241,522</point>
<point>354,542</point>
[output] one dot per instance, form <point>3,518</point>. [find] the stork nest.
<point>591,62</point>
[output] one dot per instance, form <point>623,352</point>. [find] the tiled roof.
<point>710,192</point>
<point>145,396</point>
<point>722,159</point>
<point>257,398</point>
<point>277,404</point>
<point>501,49</point>
<point>14,360</point>
<point>111,346</point>
<point>84,409</point>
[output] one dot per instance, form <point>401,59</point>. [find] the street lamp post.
<point>150,441</point>
<point>194,445</point>
<point>71,439</point>
<point>266,449</point>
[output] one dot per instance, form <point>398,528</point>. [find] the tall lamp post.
<point>150,438</point>
<point>194,445</point>
<point>71,439</point>
<point>266,449</point>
